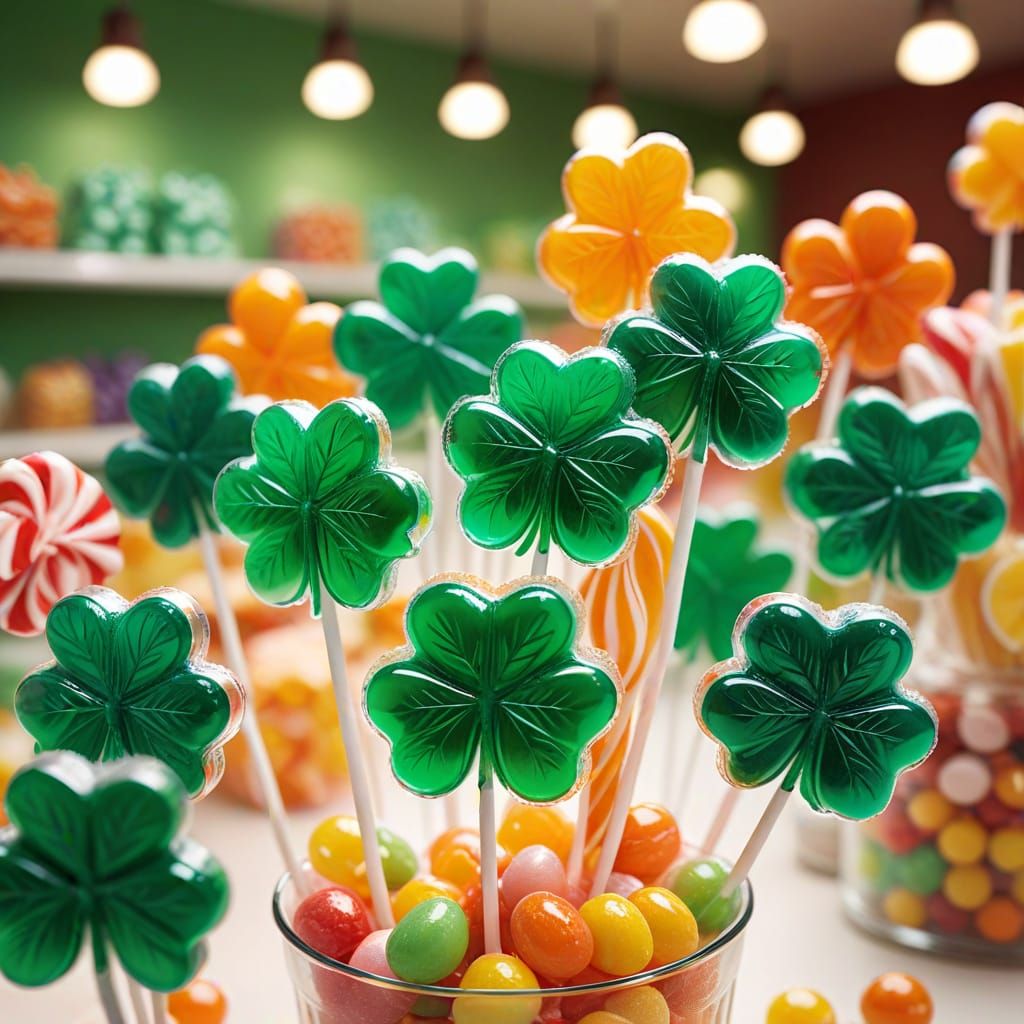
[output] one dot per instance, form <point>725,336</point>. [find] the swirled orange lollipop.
<point>864,283</point>
<point>279,345</point>
<point>627,212</point>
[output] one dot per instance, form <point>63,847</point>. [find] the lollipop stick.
<point>835,392</point>
<point>356,763</point>
<point>877,593</point>
<point>159,1008</point>
<point>539,566</point>
<point>105,983</point>
<point>999,275</point>
<point>755,844</point>
<point>489,858</point>
<point>574,867</point>
<point>138,1000</point>
<point>232,642</point>
<point>720,822</point>
<point>650,686</point>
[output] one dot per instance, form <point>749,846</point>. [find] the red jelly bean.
<point>333,921</point>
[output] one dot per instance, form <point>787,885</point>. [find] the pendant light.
<point>938,48</point>
<point>605,122</point>
<point>119,72</point>
<point>724,31</point>
<point>773,135</point>
<point>337,87</point>
<point>473,107</point>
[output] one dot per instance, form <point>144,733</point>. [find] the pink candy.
<point>352,1001</point>
<point>533,869</point>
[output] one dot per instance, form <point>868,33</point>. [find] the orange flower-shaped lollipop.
<point>987,175</point>
<point>864,282</point>
<point>627,212</point>
<point>279,345</point>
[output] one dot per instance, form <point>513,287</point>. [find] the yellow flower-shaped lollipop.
<point>627,212</point>
<point>1002,598</point>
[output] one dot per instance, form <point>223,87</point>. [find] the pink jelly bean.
<point>533,869</point>
<point>622,884</point>
<point>356,1002</point>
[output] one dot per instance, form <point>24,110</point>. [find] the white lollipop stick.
<point>720,822</point>
<point>159,1008</point>
<point>105,984</point>
<point>137,998</point>
<point>356,762</point>
<point>999,275</point>
<point>489,863</point>
<point>539,565</point>
<point>755,844</point>
<point>232,642</point>
<point>878,585</point>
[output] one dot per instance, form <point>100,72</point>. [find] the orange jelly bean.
<point>419,889</point>
<point>531,826</point>
<point>551,936</point>
<point>455,857</point>
<point>896,998</point>
<point>1009,786</point>
<point>201,1002</point>
<point>650,843</point>
<point>1001,920</point>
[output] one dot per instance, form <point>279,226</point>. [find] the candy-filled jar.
<point>942,869</point>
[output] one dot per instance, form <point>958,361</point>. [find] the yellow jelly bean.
<point>622,938</point>
<point>419,889</point>
<point>532,826</point>
<point>968,887</point>
<point>800,1006</point>
<point>963,841</point>
<point>673,926</point>
<point>1006,849</point>
<point>929,810</point>
<point>639,1006</point>
<point>1017,887</point>
<point>336,852</point>
<point>497,971</point>
<point>901,906</point>
<point>603,1017</point>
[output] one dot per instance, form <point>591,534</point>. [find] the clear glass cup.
<point>698,989</point>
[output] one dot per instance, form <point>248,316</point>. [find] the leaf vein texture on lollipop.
<point>987,175</point>
<point>554,454</point>
<point>319,500</point>
<point>428,342</point>
<point>193,423</point>
<point>499,673</point>
<point>58,533</point>
<point>132,679</point>
<point>894,493</point>
<point>864,282</point>
<point>627,212</point>
<point>714,363</point>
<point>816,697</point>
<point>278,345</point>
<point>97,849</point>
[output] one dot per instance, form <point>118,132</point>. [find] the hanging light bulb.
<point>473,107</point>
<point>723,31</point>
<point>119,72</point>
<point>605,122</point>
<point>337,87</point>
<point>938,48</point>
<point>773,135</point>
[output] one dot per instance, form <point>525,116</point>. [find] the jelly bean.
<point>455,857</point>
<point>968,887</point>
<point>697,883</point>
<point>429,942</point>
<point>574,1008</point>
<point>622,938</point>
<point>947,918</point>
<point>370,1002</point>
<point>929,810</point>
<point>673,926</point>
<point>965,779</point>
<point>1000,920</point>
<point>201,1002</point>
<point>963,841</point>
<point>529,826</point>
<point>800,1006</point>
<point>983,729</point>
<point>1006,849</point>
<point>896,999</point>
<point>877,866</point>
<point>922,870</point>
<point>906,908</point>
<point>472,904</point>
<point>551,936</point>
<point>398,858</point>
<point>497,971</point>
<point>993,813</point>
<point>1017,887</point>
<point>897,832</point>
<point>336,853</point>
<point>533,869</point>
<point>603,1017</point>
<point>419,889</point>
<point>333,921</point>
<point>1009,786</point>
<point>622,884</point>
<point>644,1005</point>
<point>650,842</point>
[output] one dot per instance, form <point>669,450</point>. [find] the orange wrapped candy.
<point>28,210</point>
<point>321,234</point>
<point>987,175</point>
<point>864,282</point>
<point>627,212</point>
<point>279,345</point>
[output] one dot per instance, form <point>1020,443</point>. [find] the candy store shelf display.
<point>86,446</point>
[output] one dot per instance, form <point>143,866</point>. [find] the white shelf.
<point>88,447</point>
<point>115,272</point>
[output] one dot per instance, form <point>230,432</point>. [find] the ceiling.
<point>819,48</point>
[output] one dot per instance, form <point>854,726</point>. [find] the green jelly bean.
<point>697,883</point>
<point>399,859</point>
<point>429,942</point>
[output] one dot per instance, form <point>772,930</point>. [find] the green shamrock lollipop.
<point>815,697</point>
<point>555,453</point>
<point>726,570</point>
<point>133,679</point>
<point>193,423</point>
<point>714,363</point>
<point>97,850</point>
<point>894,493</point>
<point>494,673</point>
<point>427,341</point>
<point>319,501</point>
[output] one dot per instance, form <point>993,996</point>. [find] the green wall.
<point>229,104</point>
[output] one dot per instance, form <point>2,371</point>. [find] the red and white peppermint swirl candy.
<point>58,533</point>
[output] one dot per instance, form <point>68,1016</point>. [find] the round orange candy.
<point>201,1002</point>
<point>1001,920</point>
<point>532,826</point>
<point>896,998</point>
<point>551,936</point>
<point>650,843</point>
<point>1009,786</point>
<point>266,302</point>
